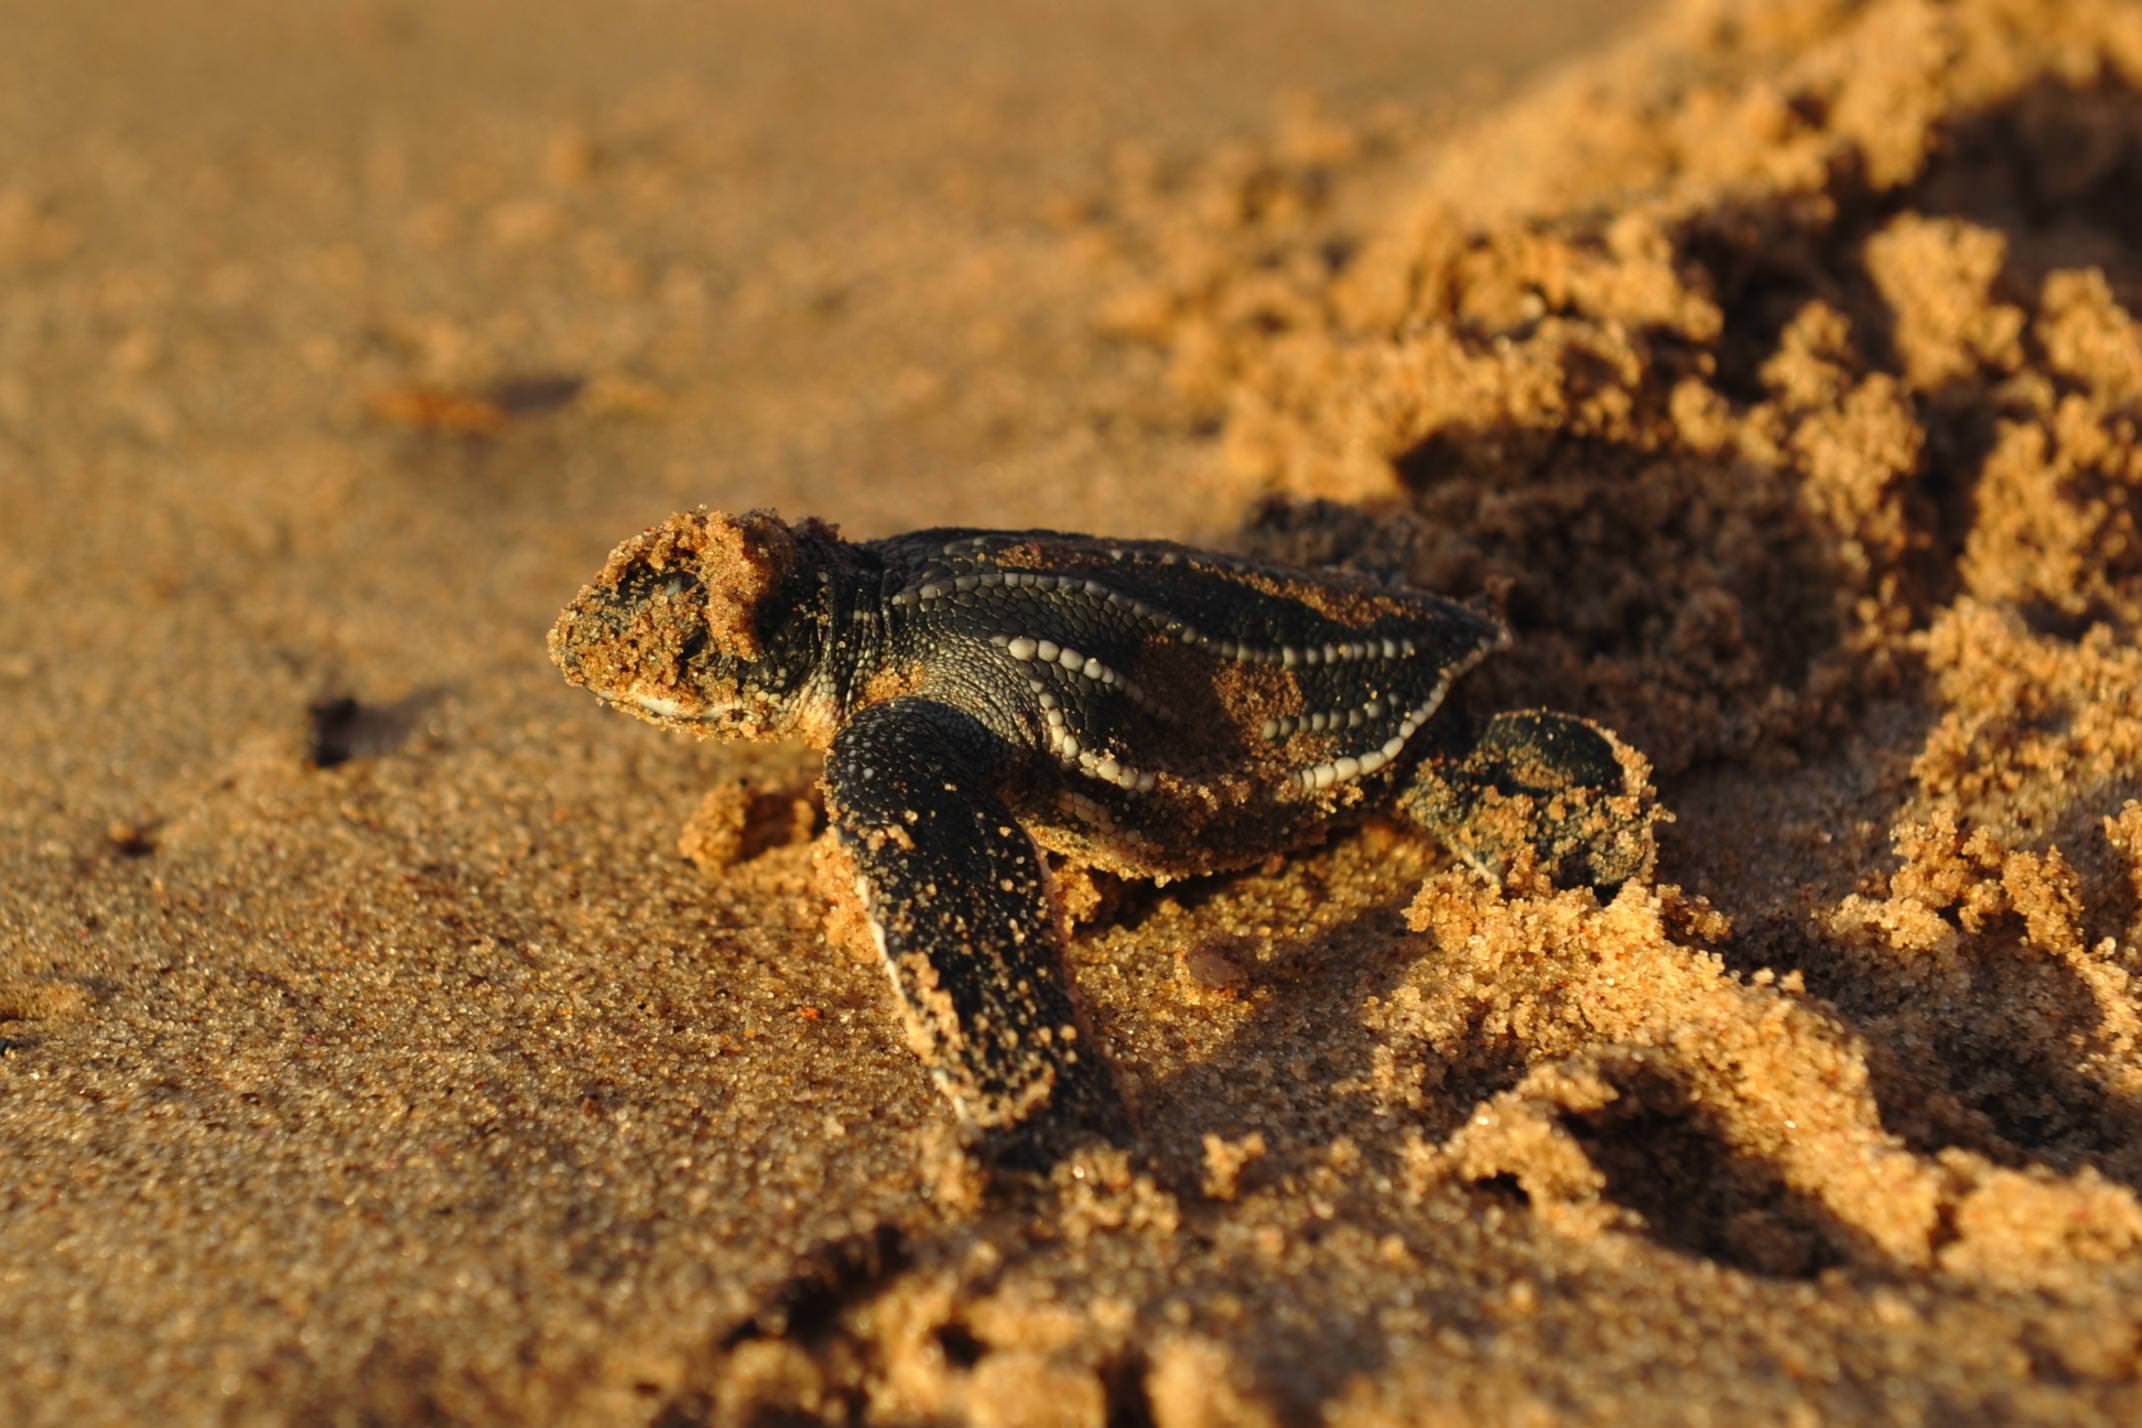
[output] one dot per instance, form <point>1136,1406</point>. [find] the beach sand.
<point>389,1034</point>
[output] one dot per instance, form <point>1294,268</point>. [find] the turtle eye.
<point>674,586</point>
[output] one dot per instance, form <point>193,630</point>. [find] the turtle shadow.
<point>1299,990</point>
<point>1669,1160</point>
<point>1279,1080</point>
<point>1301,1072</point>
<point>1305,1071</point>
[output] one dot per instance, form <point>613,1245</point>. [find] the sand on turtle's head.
<point>676,626</point>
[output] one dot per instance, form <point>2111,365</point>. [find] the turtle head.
<point>708,623</point>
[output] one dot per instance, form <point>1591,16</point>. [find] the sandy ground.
<point>385,1038</point>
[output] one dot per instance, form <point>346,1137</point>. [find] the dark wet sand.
<point>377,1045</point>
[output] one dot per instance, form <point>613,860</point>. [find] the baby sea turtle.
<point>1142,707</point>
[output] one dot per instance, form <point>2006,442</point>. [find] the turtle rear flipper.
<point>1540,785</point>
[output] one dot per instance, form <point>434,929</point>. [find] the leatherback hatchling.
<point>1142,707</point>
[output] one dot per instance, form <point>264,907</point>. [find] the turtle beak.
<point>592,634</point>
<point>577,627</point>
<point>629,639</point>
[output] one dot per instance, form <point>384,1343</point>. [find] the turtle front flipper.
<point>959,905</point>
<point>1543,784</point>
